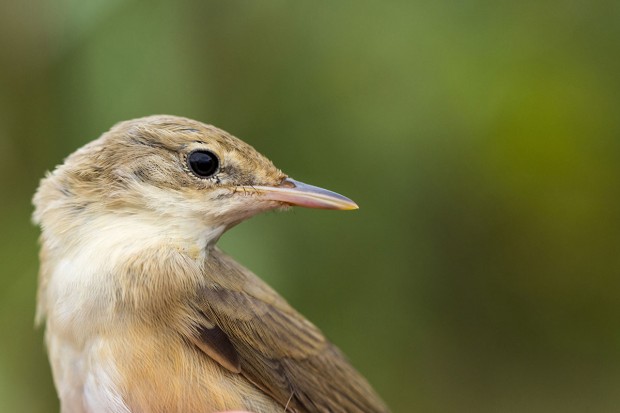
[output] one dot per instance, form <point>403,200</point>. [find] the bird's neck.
<point>118,260</point>
<point>122,233</point>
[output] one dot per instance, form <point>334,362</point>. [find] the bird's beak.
<point>297,193</point>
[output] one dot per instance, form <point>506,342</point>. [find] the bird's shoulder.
<point>249,329</point>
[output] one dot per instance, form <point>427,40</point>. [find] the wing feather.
<point>277,349</point>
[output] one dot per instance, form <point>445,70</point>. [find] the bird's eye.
<point>203,163</point>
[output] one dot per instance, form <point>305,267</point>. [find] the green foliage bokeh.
<point>481,140</point>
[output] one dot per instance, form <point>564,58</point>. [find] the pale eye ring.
<point>202,163</point>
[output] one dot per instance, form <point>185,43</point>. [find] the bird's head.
<point>178,172</point>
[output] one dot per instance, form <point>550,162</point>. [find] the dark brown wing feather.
<point>275,347</point>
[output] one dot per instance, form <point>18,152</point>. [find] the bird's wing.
<point>249,329</point>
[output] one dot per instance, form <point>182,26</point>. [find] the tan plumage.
<point>144,313</point>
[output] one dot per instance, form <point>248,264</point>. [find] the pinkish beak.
<point>299,194</point>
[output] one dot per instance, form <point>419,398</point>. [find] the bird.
<point>144,313</point>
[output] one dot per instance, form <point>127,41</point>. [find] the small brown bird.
<point>144,313</point>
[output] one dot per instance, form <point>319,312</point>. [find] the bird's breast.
<point>143,370</point>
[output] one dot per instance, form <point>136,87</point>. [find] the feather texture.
<point>144,314</point>
<point>278,349</point>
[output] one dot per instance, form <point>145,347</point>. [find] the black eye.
<point>202,163</point>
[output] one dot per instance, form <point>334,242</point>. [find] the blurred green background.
<point>480,138</point>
